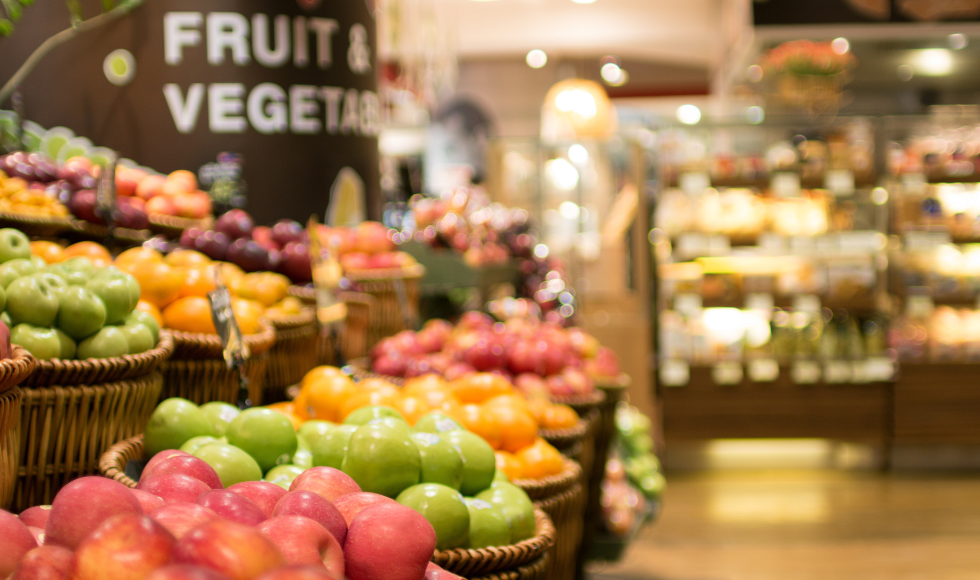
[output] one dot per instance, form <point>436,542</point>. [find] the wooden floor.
<point>809,525</point>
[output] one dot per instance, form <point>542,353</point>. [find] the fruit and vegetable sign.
<point>288,85</point>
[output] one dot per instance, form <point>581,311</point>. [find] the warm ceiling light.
<point>611,72</point>
<point>688,114</point>
<point>537,58</point>
<point>934,62</point>
<point>577,108</point>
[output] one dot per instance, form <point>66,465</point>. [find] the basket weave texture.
<point>100,370</point>
<point>15,369</point>
<point>354,333</point>
<point>387,315</point>
<point>547,487</point>
<point>173,226</point>
<point>566,511</point>
<point>562,439</point>
<point>35,225</point>
<point>292,355</point>
<point>499,560</point>
<point>10,401</point>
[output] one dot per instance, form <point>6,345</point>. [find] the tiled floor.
<point>810,525</point>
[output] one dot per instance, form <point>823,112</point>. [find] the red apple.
<point>15,541</point>
<point>389,541</point>
<point>327,482</point>
<point>583,343</point>
<point>552,356</point>
<point>81,507</point>
<point>239,552</point>
<point>148,501</point>
<point>36,516</point>
<point>192,466</point>
<point>605,364</point>
<point>285,231</point>
<point>392,365</point>
<point>184,572</point>
<point>458,370</point>
<point>577,380</point>
<point>294,262</point>
<point>302,541</point>
<point>262,493</point>
<point>473,320</point>
<point>38,534</point>
<point>298,573</point>
<point>310,505</point>
<point>522,357</point>
<point>353,261</point>
<point>162,455</point>
<point>45,563</point>
<point>263,237</point>
<point>354,503</point>
<point>235,223</point>
<point>372,238</point>
<point>434,572</point>
<point>486,354</point>
<point>532,385</point>
<point>232,506</point>
<point>124,547</point>
<point>180,518</point>
<point>174,487</point>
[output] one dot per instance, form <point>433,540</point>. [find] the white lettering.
<point>185,113</point>
<point>331,98</point>
<point>178,32</point>
<point>260,40</point>
<point>227,30</point>
<point>225,107</point>
<point>302,104</point>
<point>301,44</point>
<point>350,122</point>
<point>370,109</point>
<point>324,29</point>
<point>267,108</point>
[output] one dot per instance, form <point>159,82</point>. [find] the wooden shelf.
<point>937,403</point>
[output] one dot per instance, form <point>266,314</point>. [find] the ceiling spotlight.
<point>578,154</point>
<point>688,114</point>
<point>537,58</point>
<point>935,62</point>
<point>611,73</point>
<point>840,45</point>
<point>958,41</point>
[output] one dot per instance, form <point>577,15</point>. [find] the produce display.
<point>29,188</point>
<point>537,357</point>
<point>373,457</point>
<point>60,304</point>
<point>634,483</point>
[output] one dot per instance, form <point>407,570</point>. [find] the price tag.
<point>688,304</point>
<point>675,373</point>
<point>105,193</point>
<point>785,184</point>
<point>227,187</point>
<point>805,372</point>
<point>727,373</point>
<point>234,349</point>
<point>837,371</point>
<point>839,181</point>
<point>694,183</point>
<point>914,183</point>
<point>763,370</point>
<point>327,273</point>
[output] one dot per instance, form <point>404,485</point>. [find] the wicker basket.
<point>197,371</point>
<point>173,226</point>
<point>498,562</point>
<point>353,336</point>
<point>100,232</point>
<point>387,316</point>
<point>292,356</point>
<point>45,226</point>
<point>533,571</point>
<point>75,410</point>
<point>14,370</point>
<point>566,511</point>
<point>562,439</point>
<point>10,401</point>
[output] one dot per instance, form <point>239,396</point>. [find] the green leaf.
<point>75,10</point>
<point>6,27</point>
<point>26,2</point>
<point>13,9</point>
<point>108,5</point>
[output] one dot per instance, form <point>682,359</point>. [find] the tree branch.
<point>62,37</point>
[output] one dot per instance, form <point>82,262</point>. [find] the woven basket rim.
<point>381,274</point>
<point>567,436</point>
<point>112,463</point>
<point>361,368</point>
<point>172,221</point>
<point>592,399</point>
<point>54,220</point>
<point>101,231</point>
<point>16,368</point>
<point>545,487</point>
<point>481,561</point>
<point>210,344</point>
<point>623,381</point>
<point>67,372</point>
<point>306,317</point>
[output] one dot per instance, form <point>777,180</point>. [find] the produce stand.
<point>937,404</point>
<point>12,372</point>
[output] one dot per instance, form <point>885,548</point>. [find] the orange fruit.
<point>270,288</point>
<point>139,254</point>
<point>538,406</point>
<point>435,398</point>
<point>518,429</point>
<point>412,408</point>
<point>479,421</point>
<point>540,460</point>
<point>419,385</point>
<point>511,401</point>
<point>186,259</point>
<point>365,399</point>
<point>159,283</point>
<point>512,467</point>
<point>375,384</point>
<point>286,409</point>
<point>230,272</point>
<point>197,281</point>
<point>321,372</point>
<point>189,314</point>
<point>89,250</point>
<point>450,408</point>
<point>50,252</point>
<point>559,417</point>
<point>479,387</point>
<point>150,309</point>
<point>247,314</point>
<point>300,407</point>
<point>326,395</point>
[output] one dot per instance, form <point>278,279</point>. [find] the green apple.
<point>68,346</point>
<point>220,415</point>
<point>6,319</point>
<point>13,245</point>
<point>303,458</point>
<point>56,269</point>
<point>14,269</point>
<point>38,262</point>
<point>31,301</point>
<point>232,464</point>
<point>488,524</point>
<point>517,508</point>
<point>365,415</point>
<point>56,283</point>
<point>441,462</point>
<point>437,423</point>
<point>80,313</point>
<point>138,337</point>
<point>113,287</point>
<point>479,461</point>
<point>78,271</point>
<point>500,475</point>
<point>108,342</point>
<point>173,423</point>
<point>391,422</point>
<point>264,434</point>
<point>328,445</point>
<point>41,342</point>
<point>3,299</point>
<point>444,508</point>
<point>382,459</point>
<point>195,443</point>
<point>313,429</point>
<point>147,320</point>
<point>283,475</point>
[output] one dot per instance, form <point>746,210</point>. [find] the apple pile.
<point>183,524</point>
<point>368,246</point>
<point>373,453</point>
<point>535,356</point>
<point>27,186</point>
<point>70,309</point>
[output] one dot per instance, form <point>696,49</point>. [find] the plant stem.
<point>62,37</point>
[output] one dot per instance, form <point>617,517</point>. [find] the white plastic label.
<point>806,303</point>
<point>837,371</point>
<point>675,373</point>
<point>763,370</point>
<point>805,372</point>
<point>727,373</point>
